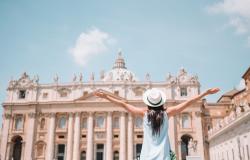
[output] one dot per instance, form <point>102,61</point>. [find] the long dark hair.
<point>155,118</point>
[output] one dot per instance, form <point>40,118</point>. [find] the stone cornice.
<point>81,102</point>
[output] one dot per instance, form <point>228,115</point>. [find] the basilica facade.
<point>65,121</point>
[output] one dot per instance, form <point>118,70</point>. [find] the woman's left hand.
<point>212,90</point>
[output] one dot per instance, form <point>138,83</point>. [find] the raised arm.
<point>178,108</point>
<point>134,110</point>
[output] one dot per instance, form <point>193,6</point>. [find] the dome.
<point>120,72</point>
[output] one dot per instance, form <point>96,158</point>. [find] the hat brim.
<point>145,99</point>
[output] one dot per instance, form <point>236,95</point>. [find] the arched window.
<point>42,124</point>
<point>18,122</point>
<point>186,120</point>
<point>138,122</point>
<point>83,155</point>
<point>116,155</point>
<point>99,123</point>
<point>116,122</point>
<point>62,122</point>
<point>183,91</point>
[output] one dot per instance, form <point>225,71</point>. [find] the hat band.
<point>154,103</point>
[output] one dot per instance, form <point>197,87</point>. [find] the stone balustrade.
<point>231,118</point>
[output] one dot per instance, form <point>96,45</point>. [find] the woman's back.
<point>155,147</point>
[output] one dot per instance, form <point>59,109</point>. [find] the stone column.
<point>123,137</point>
<point>130,136</point>
<point>199,135</point>
<point>109,144</point>
<point>90,136</point>
<point>9,147</point>
<point>178,155</point>
<point>51,137</point>
<point>29,147</point>
<point>5,133</point>
<point>70,137</point>
<point>172,132</point>
<point>76,147</point>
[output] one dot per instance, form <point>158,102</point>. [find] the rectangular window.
<point>183,91</point>
<point>186,120</point>
<point>139,136</point>
<point>116,122</point>
<point>84,136</point>
<point>60,151</point>
<point>84,123</point>
<point>138,122</point>
<point>22,94</point>
<point>99,122</point>
<point>99,151</point>
<point>18,122</point>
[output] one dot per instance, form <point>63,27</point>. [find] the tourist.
<point>156,144</point>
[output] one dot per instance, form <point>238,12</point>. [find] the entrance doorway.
<point>17,148</point>
<point>184,146</point>
<point>60,151</point>
<point>99,151</point>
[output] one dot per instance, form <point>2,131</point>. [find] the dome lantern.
<point>119,62</point>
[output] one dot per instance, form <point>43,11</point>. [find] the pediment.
<point>91,97</point>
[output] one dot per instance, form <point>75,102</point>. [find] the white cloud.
<point>238,12</point>
<point>89,44</point>
<point>232,7</point>
<point>239,24</point>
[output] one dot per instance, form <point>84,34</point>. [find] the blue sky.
<point>208,38</point>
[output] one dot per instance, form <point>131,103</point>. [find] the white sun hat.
<point>154,97</point>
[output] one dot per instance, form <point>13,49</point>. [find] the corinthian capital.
<point>7,115</point>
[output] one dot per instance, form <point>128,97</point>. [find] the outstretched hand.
<point>212,90</point>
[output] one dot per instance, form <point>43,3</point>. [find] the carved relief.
<point>63,92</point>
<point>23,82</point>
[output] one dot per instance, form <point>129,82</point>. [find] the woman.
<point>155,120</point>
